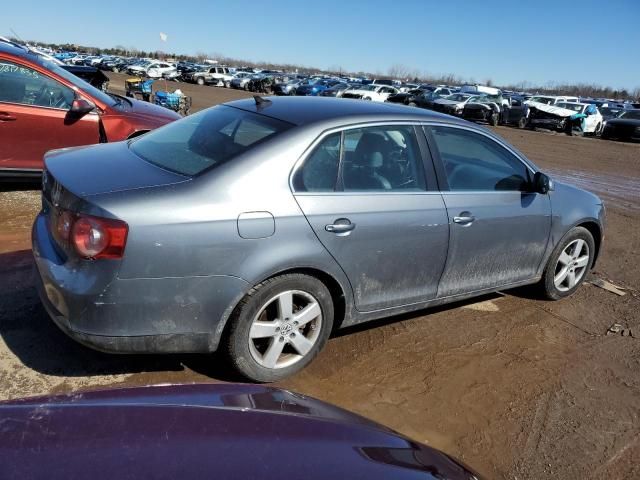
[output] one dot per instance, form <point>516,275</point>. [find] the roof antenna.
<point>261,102</point>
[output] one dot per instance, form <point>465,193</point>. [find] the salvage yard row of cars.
<point>572,115</point>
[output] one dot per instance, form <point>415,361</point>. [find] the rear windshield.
<point>205,140</point>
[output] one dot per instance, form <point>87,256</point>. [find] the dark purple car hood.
<point>205,431</point>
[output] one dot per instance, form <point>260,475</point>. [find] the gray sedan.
<point>260,226</point>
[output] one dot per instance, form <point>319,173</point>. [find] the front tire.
<point>522,123</point>
<point>200,81</point>
<point>279,327</point>
<point>569,264</point>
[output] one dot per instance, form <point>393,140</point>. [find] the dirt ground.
<point>515,386</point>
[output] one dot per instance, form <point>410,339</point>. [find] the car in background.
<point>315,87</point>
<point>625,126</point>
<point>375,92</point>
<point>610,112</point>
<point>138,68</point>
<point>515,112</point>
<point>241,80</point>
<point>201,431</point>
<point>429,95</point>
<point>568,117</point>
<point>336,90</point>
<point>551,99</point>
<point>286,88</point>
<point>45,107</point>
<point>218,76</point>
<point>304,191</point>
<point>161,70</point>
<point>486,108</point>
<point>92,75</point>
<point>453,104</point>
<point>406,97</point>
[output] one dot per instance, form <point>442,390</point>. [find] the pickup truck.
<point>219,76</point>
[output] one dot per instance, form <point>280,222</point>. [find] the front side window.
<point>473,161</point>
<point>25,86</point>
<point>207,139</point>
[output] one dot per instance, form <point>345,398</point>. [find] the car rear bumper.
<point>142,315</point>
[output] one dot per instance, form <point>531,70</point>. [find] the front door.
<point>499,228</point>
<point>34,118</point>
<point>364,193</point>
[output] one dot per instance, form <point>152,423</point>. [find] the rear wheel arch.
<point>336,290</point>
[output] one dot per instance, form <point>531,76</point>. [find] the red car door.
<point>35,118</point>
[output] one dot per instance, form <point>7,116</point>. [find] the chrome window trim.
<point>418,123</point>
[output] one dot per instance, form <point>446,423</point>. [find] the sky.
<point>540,42</point>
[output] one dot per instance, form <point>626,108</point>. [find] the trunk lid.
<point>101,169</point>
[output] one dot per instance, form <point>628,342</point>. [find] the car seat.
<point>368,160</point>
<point>12,90</point>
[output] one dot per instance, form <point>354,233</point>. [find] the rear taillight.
<point>92,237</point>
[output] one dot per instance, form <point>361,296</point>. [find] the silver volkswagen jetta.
<point>261,225</point>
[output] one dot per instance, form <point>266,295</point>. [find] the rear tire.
<point>522,123</point>
<point>200,81</point>
<point>269,337</point>
<point>568,265</point>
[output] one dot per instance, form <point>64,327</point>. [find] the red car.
<point>44,107</point>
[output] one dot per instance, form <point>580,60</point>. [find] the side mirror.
<point>80,106</point>
<point>542,183</point>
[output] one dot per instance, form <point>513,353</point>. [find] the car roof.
<point>307,110</point>
<point>15,50</point>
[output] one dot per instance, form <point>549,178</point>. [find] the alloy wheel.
<point>572,265</point>
<point>285,329</point>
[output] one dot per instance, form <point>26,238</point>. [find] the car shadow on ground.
<point>35,340</point>
<point>20,186</point>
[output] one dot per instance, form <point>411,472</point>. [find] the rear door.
<point>365,194</point>
<point>34,117</point>
<point>499,229</point>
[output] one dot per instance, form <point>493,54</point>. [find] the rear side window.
<point>475,162</point>
<point>207,139</point>
<point>371,159</point>
<point>320,170</point>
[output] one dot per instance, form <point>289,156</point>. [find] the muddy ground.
<point>515,386</point>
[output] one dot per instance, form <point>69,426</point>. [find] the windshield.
<point>205,140</point>
<point>77,81</point>
<point>610,111</point>
<point>630,115</point>
<point>457,97</point>
<point>576,107</point>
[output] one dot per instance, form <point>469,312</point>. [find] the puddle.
<point>615,189</point>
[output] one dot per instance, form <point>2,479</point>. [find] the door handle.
<point>341,225</point>
<point>464,219</point>
<point>6,117</point>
